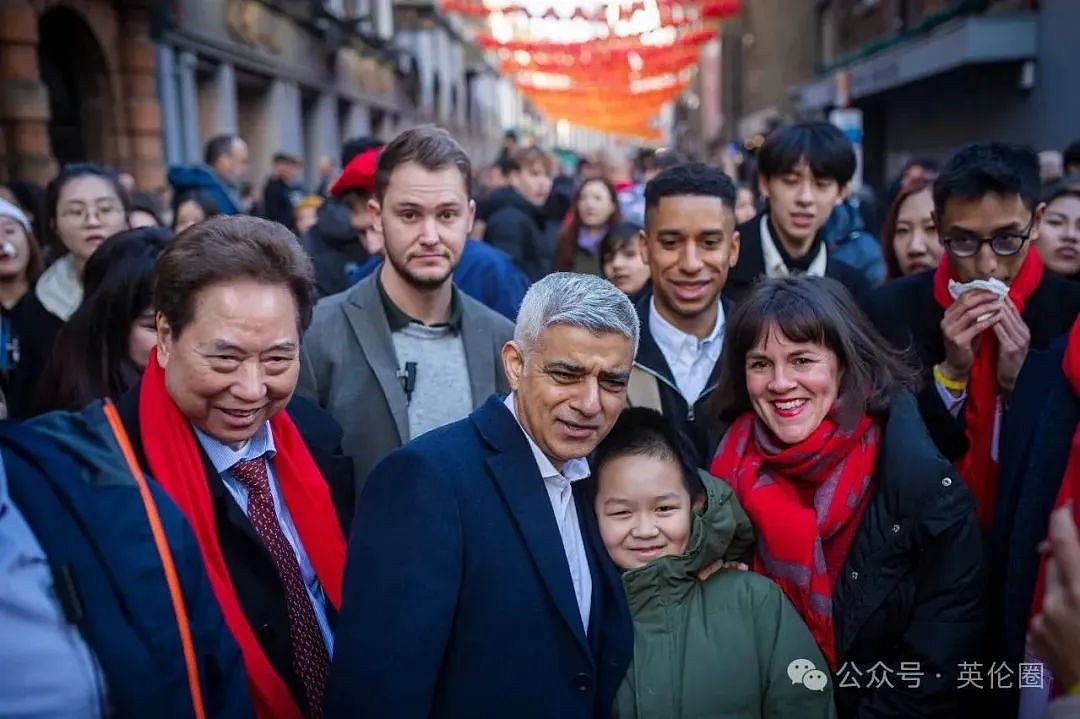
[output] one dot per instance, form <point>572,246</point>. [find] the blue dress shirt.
<point>48,669</point>
<point>223,457</point>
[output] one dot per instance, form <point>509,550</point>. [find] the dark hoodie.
<point>519,228</point>
<point>334,247</point>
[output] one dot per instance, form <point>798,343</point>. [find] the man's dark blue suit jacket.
<point>458,600</point>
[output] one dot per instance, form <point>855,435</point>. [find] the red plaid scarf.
<point>805,502</point>
<point>977,467</point>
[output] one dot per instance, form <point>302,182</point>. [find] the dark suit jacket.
<point>905,312</point>
<point>458,600</point>
<point>751,267</point>
<point>250,566</point>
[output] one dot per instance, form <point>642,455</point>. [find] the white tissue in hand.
<point>993,285</point>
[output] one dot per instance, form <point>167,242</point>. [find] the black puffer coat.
<point>912,589</point>
<point>334,247</point>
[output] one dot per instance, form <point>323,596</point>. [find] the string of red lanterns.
<point>668,9</point>
<point>615,82</point>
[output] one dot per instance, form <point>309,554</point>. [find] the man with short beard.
<point>404,351</point>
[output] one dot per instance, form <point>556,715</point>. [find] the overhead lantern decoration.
<point>610,65</point>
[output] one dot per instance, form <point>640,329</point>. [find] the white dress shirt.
<point>561,493</point>
<point>691,359</point>
<point>774,262</point>
<point>261,445</point>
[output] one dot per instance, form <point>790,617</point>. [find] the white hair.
<point>576,300</point>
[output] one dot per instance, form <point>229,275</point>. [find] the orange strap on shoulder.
<point>162,544</point>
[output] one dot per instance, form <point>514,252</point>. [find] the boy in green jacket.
<point>731,645</point>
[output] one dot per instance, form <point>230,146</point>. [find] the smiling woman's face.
<point>643,509</point>
<point>792,385</point>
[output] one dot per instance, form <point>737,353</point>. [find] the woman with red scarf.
<point>253,471</point>
<point>866,528</point>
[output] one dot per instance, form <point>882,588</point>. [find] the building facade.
<point>930,75</point>
<point>77,79</point>
<point>302,77</point>
<point>745,77</point>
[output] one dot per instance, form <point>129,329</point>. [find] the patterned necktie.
<point>310,660</point>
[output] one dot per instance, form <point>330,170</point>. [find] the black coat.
<point>1040,424</point>
<point>912,586</point>
<point>698,429</point>
<point>334,247</point>
<point>36,329</point>
<point>278,202</point>
<point>258,586</point>
<point>518,228</point>
<point>751,267</point>
<point>905,312</point>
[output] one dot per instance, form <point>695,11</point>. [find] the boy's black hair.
<point>822,145</point>
<point>643,432</point>
<point>982,168</point>
<point>1071,156</point>
<point>690,178</point>
<point>617,237</point>
<point>356,145</point>
<point>1065,187</point>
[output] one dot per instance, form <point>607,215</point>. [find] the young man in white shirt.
<point>690,245</point>
<point>804,172</point>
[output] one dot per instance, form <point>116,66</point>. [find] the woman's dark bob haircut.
<point>818,310</point>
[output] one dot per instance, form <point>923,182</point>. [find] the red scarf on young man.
<point>977,467</point>
<point>805,501</point>
<point>175,462</point>
<point>1070,483</point>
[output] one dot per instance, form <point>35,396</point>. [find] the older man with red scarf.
<point>981,326</point>
<point>256,481</point>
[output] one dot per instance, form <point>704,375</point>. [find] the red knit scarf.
<point>1070,483</point>
<point>976,466</point>
<point>176,463</point>
<point>805,502</point>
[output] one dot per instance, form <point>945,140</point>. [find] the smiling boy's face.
<point>643,509</point>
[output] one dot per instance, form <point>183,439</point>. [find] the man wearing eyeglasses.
<point>980,325</point>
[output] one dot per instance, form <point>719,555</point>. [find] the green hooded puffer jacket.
<point>732,646</point>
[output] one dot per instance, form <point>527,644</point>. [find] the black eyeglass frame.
<point>1009,234</point>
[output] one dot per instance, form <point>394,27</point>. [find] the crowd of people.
<point>640,440</point>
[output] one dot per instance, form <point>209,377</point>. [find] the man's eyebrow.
<point>224,346</point>
<point>1014,225</point>
<point>617,376</point>
<point>564,366</point>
